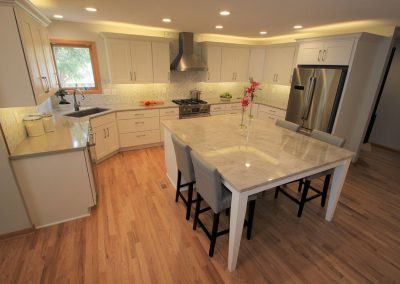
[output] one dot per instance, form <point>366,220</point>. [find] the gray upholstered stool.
<point>185,169</point>
<point>305,184</point>
<point>217,196</point>
<point>287,124</point>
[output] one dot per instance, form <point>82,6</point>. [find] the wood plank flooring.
<point>138,234</point>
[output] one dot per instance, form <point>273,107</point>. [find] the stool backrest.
<point>287,124</point>
<point>328,138</point>
<point>208,182</point>
<point>183,158</point>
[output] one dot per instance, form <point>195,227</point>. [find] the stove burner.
<point>189,102</point>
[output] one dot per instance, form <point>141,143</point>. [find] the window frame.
<point>93,57</point>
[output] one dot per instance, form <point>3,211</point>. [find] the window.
<point>76,63</point>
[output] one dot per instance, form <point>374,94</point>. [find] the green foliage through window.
<point>74,66</point>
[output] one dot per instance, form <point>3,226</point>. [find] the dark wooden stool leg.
<point>303,197</point>
<point>300,185</point>
<point>197,211</point>
<point>252,207</point>
<point>227,211</point>
<point>214,234</point>
<point>276,192</point>
<point>325,190</point>
<point>178,186</point>
<point>189,201</point>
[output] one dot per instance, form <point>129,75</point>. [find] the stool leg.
<point>197,211</point>
<point>189,201</point>
<point>276,192</point>
<point>303,197</point>
<point>227,211</point>
<point>325,190</point>
<point>252,207</point>
<point>214,234</point>
<point>300,185</point>
<point>178,186</point>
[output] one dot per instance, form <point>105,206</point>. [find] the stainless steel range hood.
<point>186,60</point>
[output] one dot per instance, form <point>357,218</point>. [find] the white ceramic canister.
<point>48,122</point>
<point>34,125</point>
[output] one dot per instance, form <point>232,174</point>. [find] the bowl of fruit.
<point>225,96</point>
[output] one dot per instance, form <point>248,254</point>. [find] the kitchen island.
<point>256,158</point>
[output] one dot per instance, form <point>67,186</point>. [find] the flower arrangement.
<point>248,98</point>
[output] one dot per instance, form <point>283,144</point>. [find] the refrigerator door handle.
<point>307,95</point>
<point>310,96</point>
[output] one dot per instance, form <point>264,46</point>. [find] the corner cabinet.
<point>27,73</point>
<point>279,62</point>
<point>326,52</point>
<point>211,56</point>
<point>234,64</point>
<point>256,64</point>
<point>134,60</point>
<point>105,132</point>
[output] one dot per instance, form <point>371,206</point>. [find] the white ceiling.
<point>246,20</point>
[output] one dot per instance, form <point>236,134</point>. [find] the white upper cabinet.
<point>27,75</point>
<point>327,52</point>
<point>161,62</point>
<point>211,56</point>
<point>256,64</point>
<point>278,65</point>
<point>234,64</point>
<point>137,60</point>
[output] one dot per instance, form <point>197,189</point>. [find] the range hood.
<point>186,60</point>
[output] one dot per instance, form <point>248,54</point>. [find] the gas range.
<point>189,108</point>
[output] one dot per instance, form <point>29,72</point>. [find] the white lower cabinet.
<point>139,138</point>
<point>231,108</point>
<point>104,129</point>
<point>268,113</point>
<point>167,114</point>
<point>56,187</point>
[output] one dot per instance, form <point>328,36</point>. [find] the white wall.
<point>386,130</point>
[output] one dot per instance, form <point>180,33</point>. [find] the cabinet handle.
<point>143,135</point>
<point>47,84</point>
<point>208,76</point>
<point>130,74</point>
<point>139,122</point>
<point>324,55</point>
<point>276,78</point>
<point>169,74</point>
<point>105,134</point>
<point>139,114</point>
<point>134,76</point>
<point>108,132</point>
<point>319,55</point>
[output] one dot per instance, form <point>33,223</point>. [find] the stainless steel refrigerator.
<point>315,95</point>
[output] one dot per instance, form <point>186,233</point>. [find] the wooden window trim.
<point>93,57</point>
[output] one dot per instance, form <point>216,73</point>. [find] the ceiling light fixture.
<point>219,27</point>
<point>263,33</point>
<point>298,27</point>
<point>225,13</point>
<point>167,20</point>
<point>91,9</point>
<point>58,16</point>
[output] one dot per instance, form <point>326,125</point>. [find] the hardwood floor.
<point>138,234</point>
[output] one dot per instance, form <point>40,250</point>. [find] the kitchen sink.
<point>86,112</point>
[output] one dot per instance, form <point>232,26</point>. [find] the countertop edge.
<point>51,152</point>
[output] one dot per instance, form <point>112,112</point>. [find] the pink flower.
<point>255,85</point>
<point>244,101</point>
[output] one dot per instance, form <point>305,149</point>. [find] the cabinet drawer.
<point>138,124</point>
<point>272,110</point>
<point>235,106</point>
<point>169,111</point>
<point>218,112</point>
<point>217,107</point>
<point>138,113</point>
<point>139,138</point>
<point>101,120</point>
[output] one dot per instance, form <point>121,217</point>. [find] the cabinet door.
<point>142,62</point>
<point>160,62</point>
<point>112,142</point>
<point>119,53</point>
<point>242,64</point>
<point>272,62</point>
<point>100,135</point>
<point>337,52</point>
<point>256,64</point>
<point>212,58</point>
<point>51,71</point>
<point>285,67</point>
<point>228,64</point>
<point>310,53</point>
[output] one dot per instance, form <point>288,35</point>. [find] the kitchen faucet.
<point>76,104</point>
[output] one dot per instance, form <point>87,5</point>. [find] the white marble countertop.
<point>251,157</point>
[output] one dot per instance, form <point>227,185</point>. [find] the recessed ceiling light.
<point>219,27</point>
<point>167,20</point>
<point>263,33</point>
<point>91,9</point>
<point>224,13</point>
<point>58,16</point>
<point>298,27</point>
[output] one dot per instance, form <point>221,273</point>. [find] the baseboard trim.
<point>17,233</point>
<point>384,147</point>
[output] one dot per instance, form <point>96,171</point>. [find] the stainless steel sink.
<point>86,112</point>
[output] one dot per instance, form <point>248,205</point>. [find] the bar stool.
<point>305,184</point>
<point>217,196</point>
<point>185,169</point>
<point>287,124</point>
